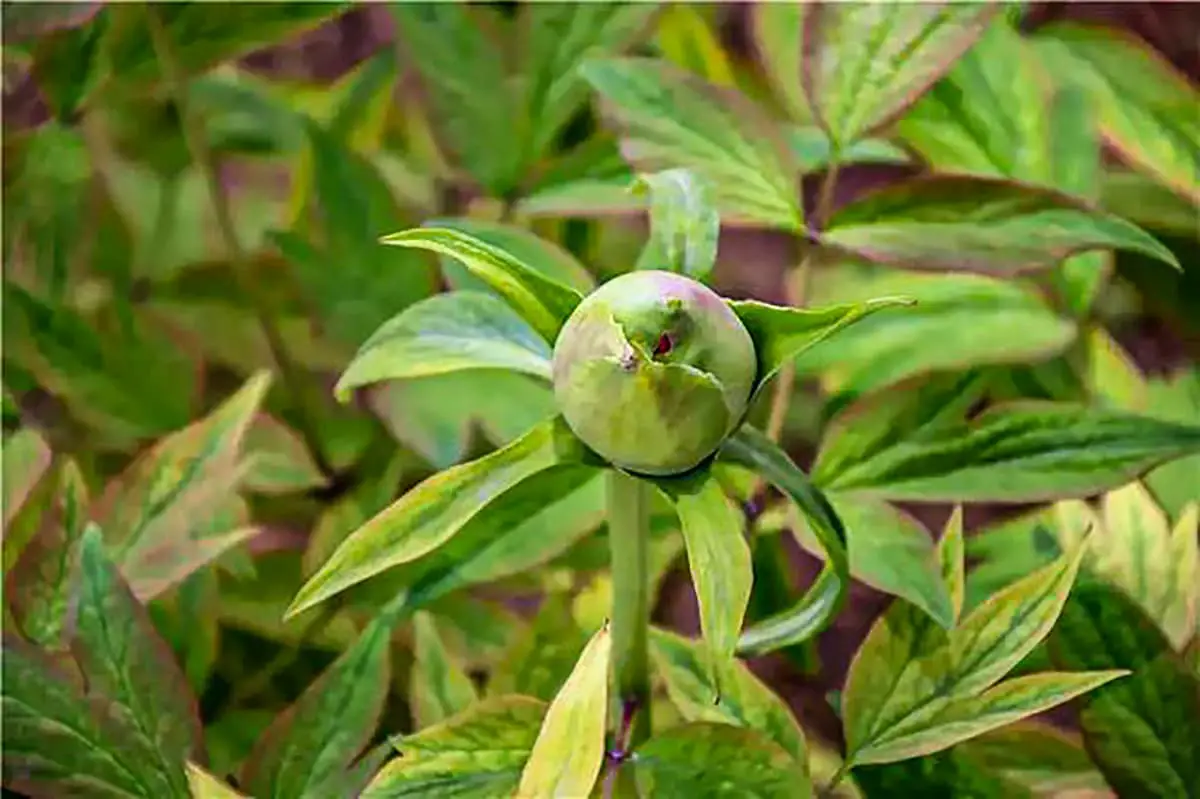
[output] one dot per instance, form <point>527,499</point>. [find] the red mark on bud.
<point>663,346</point>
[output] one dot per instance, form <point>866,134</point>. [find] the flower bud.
<point>652,371</point>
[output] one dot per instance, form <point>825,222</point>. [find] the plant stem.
<point>628,534</point>
<point>202,155</point>
<point>838,777</point>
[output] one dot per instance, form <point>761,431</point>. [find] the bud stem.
<point>628,534</point>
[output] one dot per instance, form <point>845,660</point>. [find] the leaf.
<point>26,459</point>
<point>432,512</point>
<point>159,515</point>
<point>449,332</point>
<point>439,687</point>
<point>718,558</point>
<point>952,559</point>
<point>1003,553</point>
<point>281,462</point>
<point>913,688</point>
<point>569,750</point>
<point>1159,568</point>
<point>558,37</point>
<point>539,254</point>
<point>1019,452</point>
<point>123,659</point>
<point>1009,324</point>
<point>817,608</point>
<point>58,742</point>
<point>1175,398</point>
<point>308,748</point>
<point>814,151</point>
<point>684,224</point>
<point>734,695</point>
<point>1142,732</point>
<point>39,588</point>
<point>685,38</point>
<point>862,65</point>
<point>1143,104</point>
<point>781,334</point>
<point>889,551</point>
<point>1037,755</point>
<point>468,87</point>
<point>1146,202</point>
<point>778,34</point>
<point>544,303</point>
<point>204,785</point>
<point>670,119</point>
<point>541,658</point>
<point>700,758</point>
<point>979,224</point>
<point>527,526</point>
<point>478,754</point>
<point>1113,377</point>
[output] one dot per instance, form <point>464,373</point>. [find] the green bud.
<point>652,371</point>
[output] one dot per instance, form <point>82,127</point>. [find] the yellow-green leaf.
<point>951,556</point>
<point>439,687</point>
<point>204,785</point>
<point>432,512</point>
<point>26,457</point>
<point>1038,755</point>
<point>569,750</point>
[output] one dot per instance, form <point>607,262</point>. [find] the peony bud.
<point>652,371</point>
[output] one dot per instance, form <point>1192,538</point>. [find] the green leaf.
<point>309,747</point>
<point>57,742</point>
<point>1176,398</point>
<point>558,37</point>
<point>527,526</point>
<point>944,774</point>
<point>781,334</point>
<point>434,511</point>
<point>569,750</point>
<point>718,558</point>
<point>166,515</point>
<point>670,119</point>
<point>1144,105</point>
<point>439,687</point>
<point>539,254</point>
<point>818,607</point>
<point>541,658</point>
<point>26,458</point>
<point>731,695</point>
<point>703,759</point>
<point>445,333</point>
<point>1146,202</point>
<point>977,224</point>
<point>39,588</point>
<point>684,224</point>
<point>123,659</point>
<point>1037,755</point>
<point>544,303</point>
<point>280,460</point>
<point>952,559</point>
<point>1019,452</point>
<point>1009,324</point>
<point>814,151</point>
<point>1143,732</point>
<point>1005,552</point>
<point>467,85</point>
<point>204,785</point>
<point>914,688</point>
<point>889,551</point>
<point>684,35</point>
<point>778,34</point>
<point>478,754</point>
<point>861,65</point>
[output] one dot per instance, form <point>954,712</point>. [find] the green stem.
<point>628,534</point>
<point>202,155</point>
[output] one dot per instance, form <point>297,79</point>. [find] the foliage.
<point>291,507</point>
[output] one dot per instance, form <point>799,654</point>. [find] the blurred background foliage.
<point>192,198</point>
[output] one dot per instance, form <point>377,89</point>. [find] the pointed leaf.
<point>952,558</point>
<point>696,759</point>
<point>967,717</point>
<point>160,513</point>
<point>541,255</point>
<point>821,603</point>
<point>1143,103</point>
<point>1143,732</point>
<point>782,334</point>
<point>434,511</point>
<point>685,37</point>
<point>735,696</point>
<point>863,64</point>
<point>281,462</point>
<point>718,558</point>
<point>542,302</point>
<point>684,224</point>
<point>478,754</point>
<point>778,36</point>
<point>979,224</point>
<point>566,757</point>
<point>122,658</point>
<point>439,688</point>
<point>204,785</point>
<point>670,119</point>
<point>1019,453</point>
<point>909,675</point>
<point>39,588</point>
<point>26,459</point>
<point>449,332</point>
<point>308,748</point>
